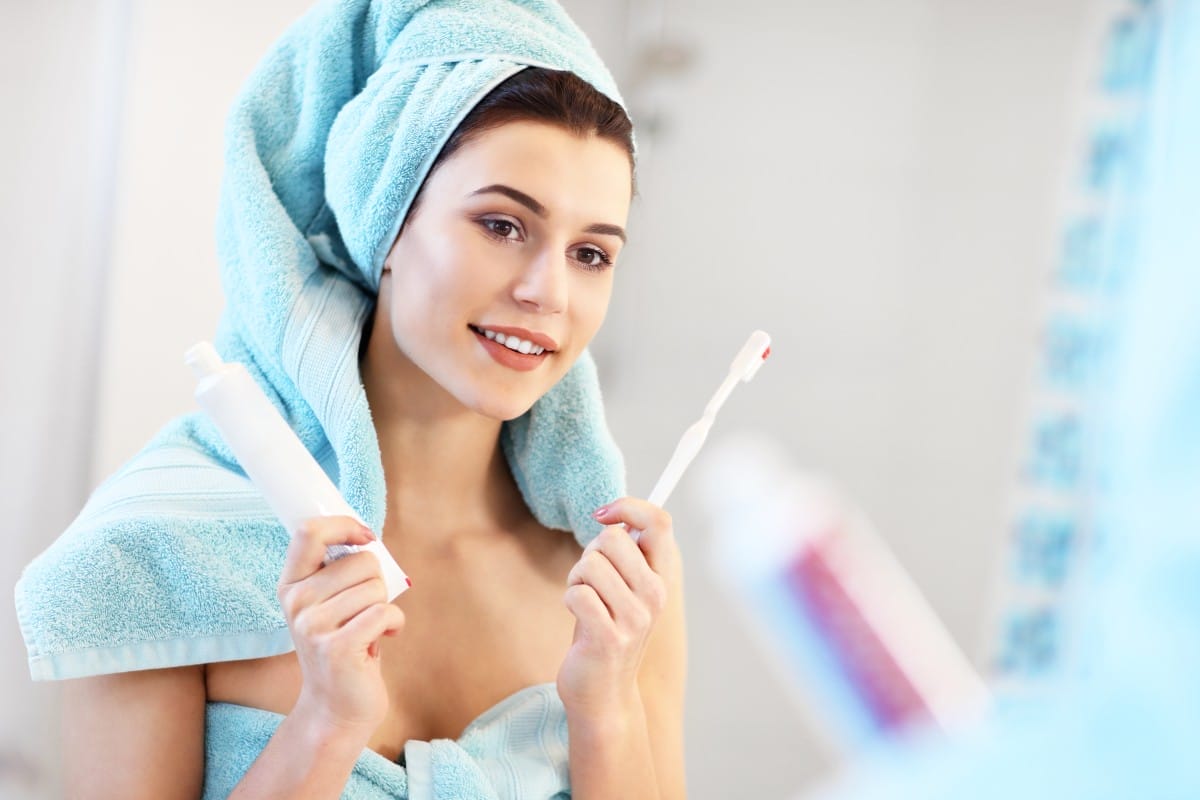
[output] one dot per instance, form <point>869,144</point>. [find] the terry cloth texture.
<point>516,750</point>
<point>175,558</point>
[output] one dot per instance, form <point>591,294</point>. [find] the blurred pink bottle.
<point>835,610</point>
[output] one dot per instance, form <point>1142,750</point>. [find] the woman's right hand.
<point>336,615</point>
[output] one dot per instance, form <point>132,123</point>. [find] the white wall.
<point>60,73</point>
<point>187,62</point>
<point>872,181</point>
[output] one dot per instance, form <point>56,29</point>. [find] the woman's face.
<point>515,234</point>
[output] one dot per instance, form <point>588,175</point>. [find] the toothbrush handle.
<point>692,439</point>
<point>685,451</point>
<point>689,445</point>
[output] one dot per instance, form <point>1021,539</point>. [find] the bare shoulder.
<point>135,734</point>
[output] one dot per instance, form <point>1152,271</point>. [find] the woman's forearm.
<point>304,759</point>
<point>610,753</point>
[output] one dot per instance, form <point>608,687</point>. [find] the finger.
<point>631,564</point>
<point>368,625</point>
<point>596,571</point>
<point>635,512</point>
<point>657,539</point>
<point>306,551</point>
<point>333,578</point>
<point>346,604</point>
<point>617,545</point>
<point>582,601</point>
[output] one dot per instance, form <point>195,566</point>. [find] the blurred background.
<point>877,183</point>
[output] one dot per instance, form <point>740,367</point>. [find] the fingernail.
<point>600,512</point>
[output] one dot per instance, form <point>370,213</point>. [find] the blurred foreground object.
<point>830,604</point>
<point>1054,531</point>
<point>1125,724</point>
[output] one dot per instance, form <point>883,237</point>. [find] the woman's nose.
<point>543,284</point>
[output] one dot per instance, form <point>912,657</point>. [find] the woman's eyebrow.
<point>611,230</point>
<point>515,194</point>
<point>540,210</point>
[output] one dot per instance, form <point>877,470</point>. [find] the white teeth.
<point>513,343</point>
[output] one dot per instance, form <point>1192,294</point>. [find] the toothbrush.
<point>745,365</point>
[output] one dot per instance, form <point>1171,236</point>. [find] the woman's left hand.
<point>617,591</point>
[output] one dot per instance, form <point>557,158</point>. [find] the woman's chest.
<point>474,635</point>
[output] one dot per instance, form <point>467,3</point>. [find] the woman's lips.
<point>523,362</point>
<point>539,339</point>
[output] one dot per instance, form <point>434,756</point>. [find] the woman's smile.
<point>512,356</point>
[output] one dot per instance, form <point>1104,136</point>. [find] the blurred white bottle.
<point>832,606</point>
<point>290,479</point>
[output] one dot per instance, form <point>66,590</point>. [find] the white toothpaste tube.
<point>290,479</point>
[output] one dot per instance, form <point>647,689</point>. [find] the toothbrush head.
<point>751,357</point>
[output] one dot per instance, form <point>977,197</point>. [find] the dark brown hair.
<point>536,94</point>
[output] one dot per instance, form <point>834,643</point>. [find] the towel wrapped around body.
<point>516,750</point>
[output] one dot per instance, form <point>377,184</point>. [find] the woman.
<point>499,277</point>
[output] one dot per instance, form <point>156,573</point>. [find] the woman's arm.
<point>639,741</point>
<point>135,735</point>
<point>622,682</point>
<point>662,682</point>
<point>306,757</point>
<point>336,615</point>
<point>141,734</point>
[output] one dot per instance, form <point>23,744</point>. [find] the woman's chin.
<point>503,409</point>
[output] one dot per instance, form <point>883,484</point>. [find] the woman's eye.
<point>592,257</point>
<point>501,227</point>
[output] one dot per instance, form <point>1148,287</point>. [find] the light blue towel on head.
<point>176,557</point>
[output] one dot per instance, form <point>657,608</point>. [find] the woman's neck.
<point>445,472</point>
